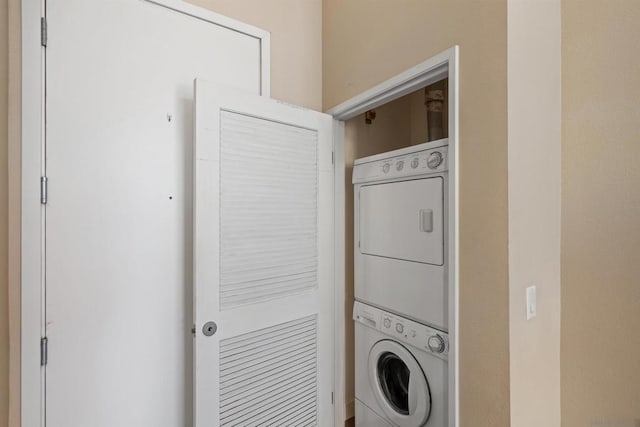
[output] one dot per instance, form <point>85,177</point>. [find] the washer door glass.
<point>393,375</point>
<point>399,384</point>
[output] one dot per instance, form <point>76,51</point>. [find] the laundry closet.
<point>397,205</point>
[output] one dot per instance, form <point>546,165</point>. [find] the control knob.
<point>434,160</point>
<point>399,328</point>
<point>437,344</point>
<point>399,165</point>
<point>385,168</point>
<point>387,323</point>
<point>415,162</point>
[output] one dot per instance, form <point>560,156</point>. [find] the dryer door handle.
<point>426,220</point>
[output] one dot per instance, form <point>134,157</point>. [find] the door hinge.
<point>43,31</point>
<point>332,398</point>
<point>44,349</point>
<point>333,157</point>
<point>44,189</point>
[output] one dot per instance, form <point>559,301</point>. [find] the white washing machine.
<point>400,225</point>
<point>401,371</point>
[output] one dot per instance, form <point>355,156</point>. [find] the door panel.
<point>119,231</point>
<point>270,375</point>
<point>268,209</point>
<point>403,220</point>
<point>263,261</point>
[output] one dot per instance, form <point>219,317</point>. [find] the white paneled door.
<point>119,150</point>
<point>263,264</point>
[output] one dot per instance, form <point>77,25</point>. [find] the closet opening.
<point>418,117</point>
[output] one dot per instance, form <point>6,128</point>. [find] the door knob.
<point>209,328</point>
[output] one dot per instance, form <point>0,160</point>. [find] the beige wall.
<point>4,230</point>
<point>367,42</point>
<point>600,213</point>
<point>534,92</point>
<point>13,158</point>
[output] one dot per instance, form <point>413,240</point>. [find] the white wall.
<point>534,112</point>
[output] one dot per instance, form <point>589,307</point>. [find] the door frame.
<point>444,64</point>
<point>27,143</point>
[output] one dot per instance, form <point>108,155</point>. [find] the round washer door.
<point>399,384</point>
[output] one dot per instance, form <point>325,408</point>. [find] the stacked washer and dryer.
<point>401,293</point>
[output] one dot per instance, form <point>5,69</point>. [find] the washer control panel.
<point>404,330</point>
<point>418,163</point>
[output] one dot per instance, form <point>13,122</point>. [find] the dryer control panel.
<point>419,162</point>
<point>403,330</point>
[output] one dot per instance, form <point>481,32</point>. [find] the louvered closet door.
<point>263,262</point>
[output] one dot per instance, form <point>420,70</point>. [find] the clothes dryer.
<point>400,225</point>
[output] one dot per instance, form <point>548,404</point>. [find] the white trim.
<point>210,16</point>
<point>263,36</point>
<point>417,77</point>
<point>339,300</point>
<point>454,233</point>
<point>15,209</point>
<point>265,64</point>
<point>32,236</point>
<point>32,375</point>
<point>444,64</point>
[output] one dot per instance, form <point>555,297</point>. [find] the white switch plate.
<point>532,309</point>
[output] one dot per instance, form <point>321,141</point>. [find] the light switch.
<point>532,309</point>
